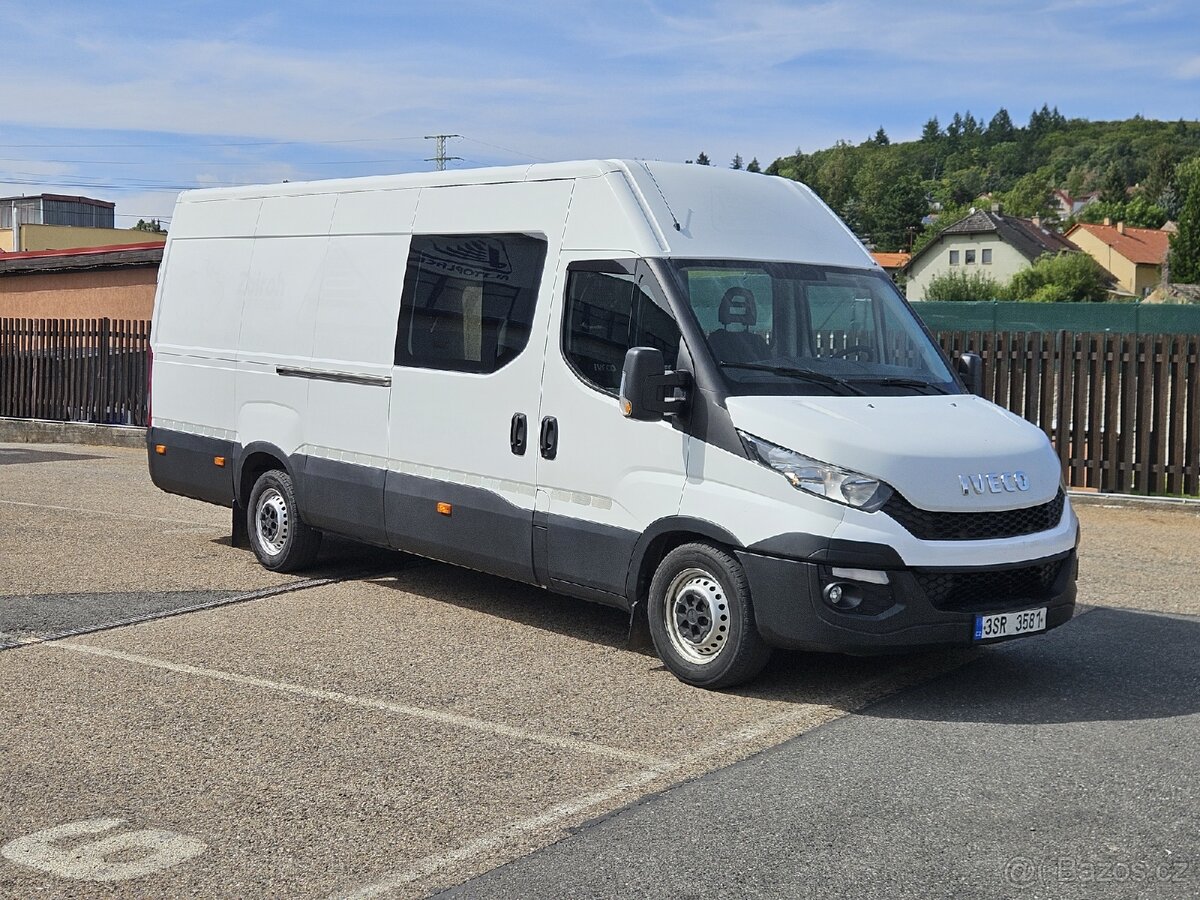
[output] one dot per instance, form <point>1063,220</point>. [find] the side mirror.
<point>970,367</point>
<point>647,388</point>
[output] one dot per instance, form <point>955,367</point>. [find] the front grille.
<point>974,526</point>
<point>994,589</point>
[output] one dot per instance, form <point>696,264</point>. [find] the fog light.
<point>842,596</point>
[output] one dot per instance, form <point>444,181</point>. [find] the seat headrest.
<point>738,308</point>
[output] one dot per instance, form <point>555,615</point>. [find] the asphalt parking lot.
<point>180,722</point>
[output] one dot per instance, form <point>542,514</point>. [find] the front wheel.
<point>279,539</point>
<point>702,620</point>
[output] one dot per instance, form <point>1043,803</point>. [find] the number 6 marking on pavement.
<point>160,849</point>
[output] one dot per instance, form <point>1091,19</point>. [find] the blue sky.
<point>134,101</point>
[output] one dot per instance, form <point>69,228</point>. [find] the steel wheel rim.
<point>271,522</point>
<point>696,616</point>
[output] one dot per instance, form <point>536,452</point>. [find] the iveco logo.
<point>993,482</point>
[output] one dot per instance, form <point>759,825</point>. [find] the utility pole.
<point>440,156</point>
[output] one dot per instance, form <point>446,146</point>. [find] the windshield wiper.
<point>916,383</point>
<point>836,384</point>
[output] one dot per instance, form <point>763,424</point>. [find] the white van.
<point>682,391</point>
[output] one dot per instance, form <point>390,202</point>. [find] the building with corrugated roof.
<point>60,222</point>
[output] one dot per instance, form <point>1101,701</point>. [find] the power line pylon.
<point>440,156</point>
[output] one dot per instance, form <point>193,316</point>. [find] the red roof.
<point>79,251</point>
<point>892,260</point>
<point>1143,246</point>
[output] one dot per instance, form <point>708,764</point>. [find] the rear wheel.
<point>279,539</point>
<point>702,620</point>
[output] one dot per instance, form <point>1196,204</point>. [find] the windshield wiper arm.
<point>837,384</point>
<point>893,381</point>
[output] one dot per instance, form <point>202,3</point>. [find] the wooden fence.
<point>1122,410</point>
<point>74,370</point>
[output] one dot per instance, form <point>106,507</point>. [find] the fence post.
<point>104,400</point>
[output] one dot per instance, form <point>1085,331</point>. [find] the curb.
<point>41,431</point>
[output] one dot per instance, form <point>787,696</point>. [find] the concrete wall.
<point>92,294</point>
<point>1006,261</point>
<point>66,237</point>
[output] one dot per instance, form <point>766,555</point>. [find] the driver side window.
<point>607,312</point>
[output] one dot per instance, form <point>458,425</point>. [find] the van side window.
<point>468,300</point>
<point>606,314</point>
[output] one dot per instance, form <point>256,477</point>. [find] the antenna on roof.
<point>671,212</point>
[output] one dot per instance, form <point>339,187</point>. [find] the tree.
<point>971,129</point>
<point>1113,189</point>
<point>702,159</point>
<point>1000,129</point>
<point>1185,244</point>
<point>1061,278</point>
<point>737,161</point>
<point>1138,212</point>
<point>881,139</point>
<point>753,165</point>
<point>154,226</point>
<point>932,131</point>
<point>961,286</point>
<point>1030,196</point>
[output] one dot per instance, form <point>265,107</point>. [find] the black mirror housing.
<point>970,367</point>
<point>647,389</point>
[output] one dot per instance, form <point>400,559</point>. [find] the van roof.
<point>490,175</point>
<point>646,208</point>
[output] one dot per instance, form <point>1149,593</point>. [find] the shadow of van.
<point>1107,665</point>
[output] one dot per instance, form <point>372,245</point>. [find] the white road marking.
<point>160,849</point>
<point>109,512</point>
<point>814,714</point>
<point>414,712</point>
<point>497,838</point>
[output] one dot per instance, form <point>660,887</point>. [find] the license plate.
<point>1001,625</point>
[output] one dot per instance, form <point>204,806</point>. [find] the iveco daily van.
<point>683,391</point>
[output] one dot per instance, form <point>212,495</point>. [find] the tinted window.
<point>606,314</point>
<point>468,300</point>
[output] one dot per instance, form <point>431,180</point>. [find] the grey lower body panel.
<point>188,465</point>
<point>483,530</point>
<point>917,608</point>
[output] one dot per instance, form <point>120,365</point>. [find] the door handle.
<point>548,440</point>
<point>518,434</point>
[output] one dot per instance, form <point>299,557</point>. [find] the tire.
<point>279,539</point>
<point>701,618</point>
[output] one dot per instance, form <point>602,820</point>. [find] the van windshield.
<point>791,328</point>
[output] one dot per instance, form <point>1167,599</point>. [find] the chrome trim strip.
<point>341,377</point>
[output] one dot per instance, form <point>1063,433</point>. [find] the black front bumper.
<point>918,607</point>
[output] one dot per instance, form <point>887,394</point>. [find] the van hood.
<point>918,445</point>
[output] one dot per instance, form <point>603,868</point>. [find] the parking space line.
<point>814,715</point>
<point>107,512</point>
<point>414,712</point>
<point>498,837</point>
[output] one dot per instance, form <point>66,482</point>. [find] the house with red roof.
<point>1134,256</point>
<point>892,263</point>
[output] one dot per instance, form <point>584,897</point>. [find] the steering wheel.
<point>852,350</point>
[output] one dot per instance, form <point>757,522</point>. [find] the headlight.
<point>825,480</point>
